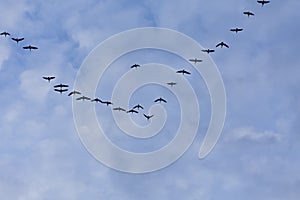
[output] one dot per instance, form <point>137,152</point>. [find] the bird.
<point>4,33</point>
<point>48,78</point>
<point>148,116</point>
<point>119,109</point>
<point>17,39</point>
<point>263,2</point>
<point>60,85</point>
<point>248,13</point>
<point>195,60</point>
<point>171,83</point>
<point>183,72</point>
<point>135,66</point>
<point>74,92</point>
<point>236,30</point>
<point>83,98</point>
<point>222,44</point>
<point>30,47</point>
<point>208,50</point>
<point>132,111</point>
<point>97,100</point>
<point>138,107</point>
<point>107,103</point>
<point>60,90</point>
<point>160,100</point>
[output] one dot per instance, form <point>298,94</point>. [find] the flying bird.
<point>60,90</point>
<point>132,111</point>
<point>4,33</point>
<point>97,100</point>
<point>171,84</point>
<point>236,30</point>
<point>83,98</point>
<point>48,78</point>
<point>208,50</point>
<point>30,47</point>
<point>135,66</point>
<point>119,109</point>
<point>248,13</point>
<point>222,44</point>
<point>195,60</point>
<point>60,85</point>
<point>183,72</point>
<point>148,116</point>
<point>106,102</point>
<point>74,92</point>
<point>160,100</point>
<point>17,39</point>
<point>263,2</point>
<point>138,107</point>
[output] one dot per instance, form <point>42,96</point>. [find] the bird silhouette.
<point>4,33</point>
<point>263,2</point>
<point>132,111</point>
<point>138,107</point>
<point>60,90</point>
<point>171,84</point>
<point>160,100</point>
<point>106,102</point>
<point>83,98</point>
<point>17,39</point>
<point>135,66</point>
<point>30,47</point>
<point>183,72</point>
<point>48,78</point>
<point>148,116</point>
<point>119,109</point>
<point>60,85</point>
<point>74,92</point>
<point>222,44</point>
<point>248,13</point>
<point>236,30</point>
<point>97,100</point>
<point>195,60</point>
<point>208,50</point>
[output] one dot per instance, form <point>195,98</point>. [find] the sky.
<point>257,155</point>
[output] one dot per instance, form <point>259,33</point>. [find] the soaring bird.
<point>248,13</point>
<point>208,50</point>
<point>97,100</point>
<point>236,30</point>
<point>83,98</point>
<point>183,72</point>
<point>107,103</point>
<point>138,107</point>
<point>119,109</point>
<point>17,39</point>
<point>60,85</point>
<point>30,47</point>
<point>135,66</point>
<point>263,2</point>
<point>160,100</point>
<point>195,60</point>
<point>148,116</point>
<point>4,33</point>
<point>74,92</point>
<point>222,44</point>
<point>171,84</point>
<point>60,90</point>
<point>132,111</point>
<point>48,78</point>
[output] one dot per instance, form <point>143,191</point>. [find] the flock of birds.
<point>62,88</point>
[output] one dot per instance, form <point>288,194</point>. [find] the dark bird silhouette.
<point>119,109</point>
<point>74,92</point>
<point>30,47</point>
<point>4,33</point>
<point>148,116</point>
<point>60,85</point>
<point>17,39</point>
<point>83,98</point>
<point>222,44</point>
<point>135,66</point>
<point>132,111</point>
<point>97,100</point>
<point>248,13</point>
<point>263,2</point>
<point>60,90</point>
<point>195,60</point>
<point>236,30</point>
<point>48,78</point>
<point>183,72</point>
<point>138,107</point>
<point>160,100</point>
<point>171,84</point>
<point>107,103</point>
<point>208,50</point>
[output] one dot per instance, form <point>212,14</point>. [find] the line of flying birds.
<point>17,40</point>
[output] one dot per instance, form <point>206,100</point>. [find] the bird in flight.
<point>263,2</point>
<point>160,100</point>
<point>148,116</point>
<point>195,60</point>
<point>119,109</point>
<point>208,50</point>
<point>107,103</point>
<point>60,85</point>
<point>132,111</point>
<point>17,39</point>
<point>48,78</point>
<point>236,30</point>
<point>4,33</point>
<point>138,107</point>
<point>60,90</point>
<point>222,44</point>
<point>30,47</point>
<point>83,98</point>
<point>74,92</point>
<point>183,72</point>
<point>97,100</point>
<point>248,13</point>
<point>135,66</point>
<point>171,84</point>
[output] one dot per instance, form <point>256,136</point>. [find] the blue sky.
<point>257,156</point>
